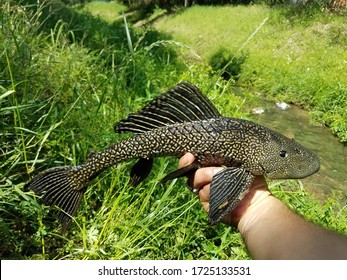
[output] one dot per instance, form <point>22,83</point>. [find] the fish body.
<point>179,121</point>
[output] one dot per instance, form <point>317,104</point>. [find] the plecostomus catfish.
<point>179,121</point>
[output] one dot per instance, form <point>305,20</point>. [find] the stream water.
<point>294,123</point>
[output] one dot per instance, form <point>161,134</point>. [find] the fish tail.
<point>61,187</point>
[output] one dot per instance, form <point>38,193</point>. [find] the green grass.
<point>62,107</point>
<point>293,58</point>
<point>61,91</point>
<point>109,11</point>
<point>206,28</point>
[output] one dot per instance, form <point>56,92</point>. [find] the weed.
<point>225,62</point>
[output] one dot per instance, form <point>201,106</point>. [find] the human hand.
<point>201,181</point>
<point>269,228</point>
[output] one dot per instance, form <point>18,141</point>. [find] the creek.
<point>294,123</point>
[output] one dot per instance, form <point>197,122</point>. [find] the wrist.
<point>251,201</point>
<point>260,205</point>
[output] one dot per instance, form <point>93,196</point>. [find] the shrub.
<point>227,64</point>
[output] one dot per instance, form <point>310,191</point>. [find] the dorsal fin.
<point>182,103</point>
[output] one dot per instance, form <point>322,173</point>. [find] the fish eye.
<point>283,154</point>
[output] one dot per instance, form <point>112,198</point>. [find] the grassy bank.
<point>62,88</point>
<point>109,11</point>
<point>61,92</point>
<point>293,58</point>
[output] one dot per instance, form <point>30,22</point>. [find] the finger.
<point>203,176</point>
<point>259,182</point>
<point>204,195</point>
<point>185,160</point>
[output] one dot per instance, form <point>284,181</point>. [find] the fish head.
<point>285,158</point>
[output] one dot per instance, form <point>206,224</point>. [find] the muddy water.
<point>294,123</point>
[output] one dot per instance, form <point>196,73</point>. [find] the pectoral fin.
<point>184,171</point>
<point>140,171</point>
<point>227,187</point>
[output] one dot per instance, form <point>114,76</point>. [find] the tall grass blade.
<point>130,43</point>
<point>243,45</point>
<point>6,94</point>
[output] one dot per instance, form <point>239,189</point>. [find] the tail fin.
<point>58,187</point>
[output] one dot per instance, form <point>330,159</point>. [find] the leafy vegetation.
<point>66,77</point>
<point>227,63</point>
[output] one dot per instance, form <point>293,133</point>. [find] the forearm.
<point>273,231</point>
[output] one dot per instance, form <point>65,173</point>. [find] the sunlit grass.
<point>290,58</point>
<point>206,29</point>
<point>109,11</point>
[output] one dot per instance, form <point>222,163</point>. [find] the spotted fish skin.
<point>179,121</point>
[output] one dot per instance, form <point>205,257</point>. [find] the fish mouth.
<point>297,173</point>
